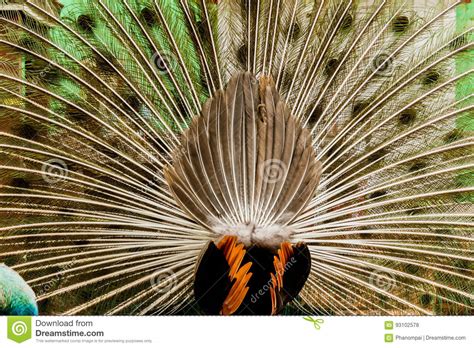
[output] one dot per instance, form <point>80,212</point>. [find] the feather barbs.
<point>246,164</point>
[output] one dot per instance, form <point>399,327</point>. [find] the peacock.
<point>16,297</point>
<point>239,157</point>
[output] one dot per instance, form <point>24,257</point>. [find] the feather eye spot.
<point>426,299</point>
<point>417,210</point>
<point>377,155</point>
<point>242,55</point>
<point>295,31</point>
<point>431,77</point>
<point>359,107</point>
<point>331,150</point>
<point>417,166</point>
<point>412,269</point>
<point>105,62</point>
<point>407,117</point>
<point>203,30</point>
<point>149,16</point>
<point>347,21</point>
<point>81,242</point>
<point>366,235</point>
<point>86,23</point>
<point>331,66</point>
<point>20,183</point>
<point>453,136</point>
<point>315,115</point>
<point>377,194</point>
<point>400,24</point>
<point>182,109</point>
<point>27,131</point>
<point>28,42</point>
<point>133,102</point>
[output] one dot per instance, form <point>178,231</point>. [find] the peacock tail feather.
<point>114,178</point>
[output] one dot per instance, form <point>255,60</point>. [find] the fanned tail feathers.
<point>134,132</point>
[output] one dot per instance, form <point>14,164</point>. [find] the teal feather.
<point>16,297</point>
